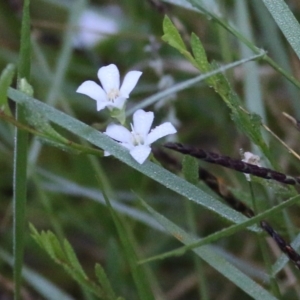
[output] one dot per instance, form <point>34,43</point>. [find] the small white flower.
<point>94,26</point>
<point>110,95</point>
<point>139,139</point>
<point>252,159</point>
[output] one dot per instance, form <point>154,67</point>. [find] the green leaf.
<point>5,81</point>
<point>172,37</point>
<point>66,258</point>
<point>103,280</point>
<point>72,258</point>
<point>190,168</point>
<point>286,21</point>
<point>39,121</point>
<point>200,54</point>
<point>137,271</point>
<point>49,242</point>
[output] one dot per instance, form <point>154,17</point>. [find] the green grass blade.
<point>252,89</point>
<point>149,169</point>
<point>286,21</point>
<point>227,231</point>
<point>137,271</point>
<point>58,184</point>
<point>20,157</point>
<point>105,283</point>
<point>215,260</point>
<point>190,169</point>
<point>277,48</point>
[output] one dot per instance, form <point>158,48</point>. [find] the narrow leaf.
<point>172,37</point>
<point>20,158</point>
<point>286,21</point>
<point>5,81</point>
<point>200,54</point>
<point>103,280</point>
<point>190,168</point>
<point>219,263</point>
<point>72,258</point>
<point>137,271</point>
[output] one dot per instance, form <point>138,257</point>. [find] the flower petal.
<point>93,90</point>
<point>102,104</point>
<point>142,122</point>
<point>129,83</point>
<point>109,77</point>
<point>119,133</point>
<point>119,102</point>
<point>159,132</point>
<point>140,153</point>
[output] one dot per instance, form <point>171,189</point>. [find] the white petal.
<point>102,104</point>
<point>129,82</point>
<point>142,122</point>
<point>109,77</point>
<point>140,153</point>
<point>159,132</point>
<point>250,158</point>
<point>119,133</point>
<point>93,90</point>
<point>119,102</point>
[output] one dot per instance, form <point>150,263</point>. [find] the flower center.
<point>113,94</point>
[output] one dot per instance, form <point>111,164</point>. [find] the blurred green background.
<point>71,40</point>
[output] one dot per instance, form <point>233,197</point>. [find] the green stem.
<point>20,158</point>
<point>264,250</point>
<point>199,267</point>
<point>19,200</point>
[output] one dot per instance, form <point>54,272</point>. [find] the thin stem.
<point>234,164</point>
<point>20,157</point>
<point>263,249</point>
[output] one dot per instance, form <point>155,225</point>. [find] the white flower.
<point>252,159</point>
<point>110,95</point>
<point>139,139</point>
<point>94,26</point>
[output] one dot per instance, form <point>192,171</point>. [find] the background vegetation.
<point>115,213</point>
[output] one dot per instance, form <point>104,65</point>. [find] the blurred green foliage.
<point>64,194</point>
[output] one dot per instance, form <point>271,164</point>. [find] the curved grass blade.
<point>149,169</point>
